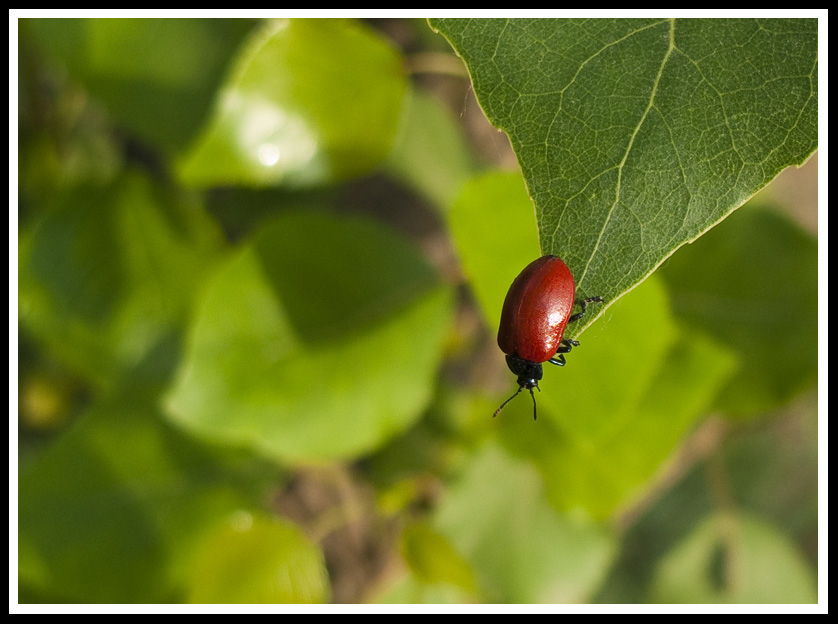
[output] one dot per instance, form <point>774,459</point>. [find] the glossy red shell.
<point>536,310</point>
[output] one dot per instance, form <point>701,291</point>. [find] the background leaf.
<point>428,131</point>
<point>107,274</point>
<point>156,76</point>
<point>734,559</point>
<point>253,558</point>
<point>493,251</point>
<point>523,551</point>
<point>128,496</point>
<point>433,560</point>
<point>753,286</point>
<point>305,364</point>
<point>309,102</point>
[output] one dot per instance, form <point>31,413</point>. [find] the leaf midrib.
<point>620,167</point>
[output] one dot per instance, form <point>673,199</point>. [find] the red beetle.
<point>535,313</point>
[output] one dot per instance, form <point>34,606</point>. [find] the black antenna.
<point>532,394</point>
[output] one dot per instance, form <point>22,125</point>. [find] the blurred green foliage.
<point>260,266</point>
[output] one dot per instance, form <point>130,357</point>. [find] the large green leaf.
<point>637,135</point>
<point>308,102</point>
<point>319,339</point>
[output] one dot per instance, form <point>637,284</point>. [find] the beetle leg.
<point>565,347</point>
<point>583,303</point>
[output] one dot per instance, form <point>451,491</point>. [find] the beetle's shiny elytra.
<point>536,311</point>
